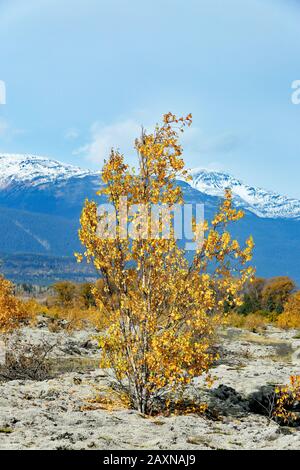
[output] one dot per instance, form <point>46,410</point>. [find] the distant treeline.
<point>267,296</point>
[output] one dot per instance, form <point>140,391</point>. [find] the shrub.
<point>12,310</point>
<point>290,318</point>
<point>33,308</point>
<point>278,402</point>
<point>253,322</point>
<point>79,318</point>
<point>276,292</point>
<point>235,319</point>
<point>270,317</point>
<point>68,294</point>
<point>64,292</point>
<point>287,398</point>
<point>24,360</point>
<point>252,300</point>
<point>85,295</point>
<point>163,312</point>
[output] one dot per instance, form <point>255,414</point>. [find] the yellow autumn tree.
<point>12,310</point>
<point>163,310</point>
<point>276,292</point>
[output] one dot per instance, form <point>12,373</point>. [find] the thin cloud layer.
<point>120,135</point>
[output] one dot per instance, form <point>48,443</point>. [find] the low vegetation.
<point>287,399</point>
<point>268,301</point>
<point>24,360</point>
<point>12,310</point>
<point>290,317</point>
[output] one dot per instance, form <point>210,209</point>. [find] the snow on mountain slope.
<point>261,202</point>
<point>35,170</point>
<point>31,171</point>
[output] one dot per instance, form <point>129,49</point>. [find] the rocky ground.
<point>62,413</point>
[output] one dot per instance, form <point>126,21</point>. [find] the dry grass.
<point>105,398</point>
<point>252,322</point>
<point>76,318</point>
<point>25,361</point>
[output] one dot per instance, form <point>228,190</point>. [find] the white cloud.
<point>199,148</point>
<point>120,135</point>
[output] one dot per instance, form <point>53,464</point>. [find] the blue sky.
<point>83,75</point>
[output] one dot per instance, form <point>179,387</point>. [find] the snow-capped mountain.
<point>38,184</point>
<point>261,202</point>
<point>33,169</point>
<point>41,201</point>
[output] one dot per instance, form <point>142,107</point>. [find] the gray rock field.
<point>60,413</point>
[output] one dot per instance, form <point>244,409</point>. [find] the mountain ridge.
<point>261,202</point>
<point>18,170</point>
<point>41,202</point>
<point>35,169</point>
